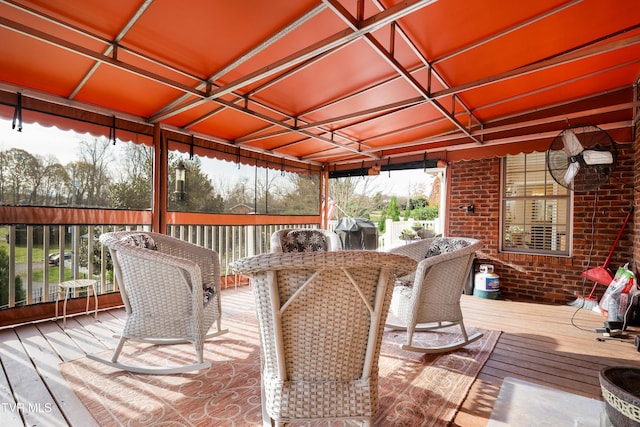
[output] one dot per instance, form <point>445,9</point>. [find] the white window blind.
<point>536,209</point>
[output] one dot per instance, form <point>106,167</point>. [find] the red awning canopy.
<point>337,81</point>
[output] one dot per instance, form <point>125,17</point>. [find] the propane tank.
<point>487,283</point>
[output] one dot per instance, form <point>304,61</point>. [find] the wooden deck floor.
<point>542,344</point>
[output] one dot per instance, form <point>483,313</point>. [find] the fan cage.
<point>588,177</point>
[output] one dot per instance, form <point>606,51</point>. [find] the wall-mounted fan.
<point>582,158</point>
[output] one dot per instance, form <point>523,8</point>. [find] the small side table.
<point>75,284</point>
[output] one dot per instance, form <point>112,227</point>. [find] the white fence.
<point>393,232</point>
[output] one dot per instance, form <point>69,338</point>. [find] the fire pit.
<point>621,392</point>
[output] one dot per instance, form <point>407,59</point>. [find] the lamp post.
<point>180,179</point>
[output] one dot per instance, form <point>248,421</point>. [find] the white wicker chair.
<point>321,319</point>
<point>429,299</point>
<point>163,294</point>
<point>305,240</point>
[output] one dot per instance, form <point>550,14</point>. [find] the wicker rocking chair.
<point>305,240</point>
<point>321,319</point>
<point>429,299</point>
<point>171,292</point>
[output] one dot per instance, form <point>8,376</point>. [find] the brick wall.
<point>536,278</point>
<point>636,178</point>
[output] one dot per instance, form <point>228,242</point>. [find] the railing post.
<point>46,230</point>
<point>251,240</point>
<point>61,235</point>
<point>12,268</point>
<point>75,254</point>
<point>29,274</point>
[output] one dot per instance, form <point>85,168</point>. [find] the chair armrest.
<point>415,250</point>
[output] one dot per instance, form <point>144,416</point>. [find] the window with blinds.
<point>535,209</point>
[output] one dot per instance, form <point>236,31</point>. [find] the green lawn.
<point>37,276</point>
<point>38,256</point>
<point>21,251</point>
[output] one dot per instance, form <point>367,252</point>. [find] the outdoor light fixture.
<point>180,178</point>
<point>468,208</point>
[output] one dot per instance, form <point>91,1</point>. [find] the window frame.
<point>533,199</point>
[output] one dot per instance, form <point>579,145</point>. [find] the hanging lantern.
<point>181,172</point>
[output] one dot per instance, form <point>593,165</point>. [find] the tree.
<point>53,190</point>
<point>90,178</point>
<point>419,208</point>
<point>241,193</point>
<point>98,248</point>
<point>393,210</point>
<point>20,295</point>
<point>199,193</point>
<point>134,189</point>
<point>382,222</point>
<point>426,213</point>
<point>358,203</point>
<point>302,198</point>
<point>19,172</point>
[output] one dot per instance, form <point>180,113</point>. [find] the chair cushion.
<point>304,241</point>
<point>141,240</point>
<point>443,245</point>
<point>440,245</point>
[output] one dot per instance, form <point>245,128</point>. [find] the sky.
<point>38,139</point>
<point>402,183</point>
<point>64,146</point>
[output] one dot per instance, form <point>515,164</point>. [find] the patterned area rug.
<point>415,389</point>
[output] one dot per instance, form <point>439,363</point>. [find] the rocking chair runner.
<point>171,292</point>
<point>429,299</point>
